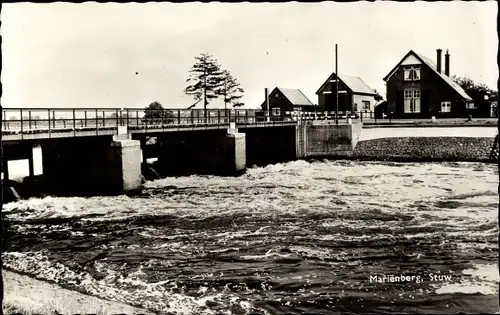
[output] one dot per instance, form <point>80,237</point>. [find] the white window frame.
<point>446,107</point>
<point>411,73</point>
<point>412,100</point>
<point>366,105</point>
<point>276,111</point>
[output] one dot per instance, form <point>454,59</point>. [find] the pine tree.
<point>205,80</point>
<point>231,90</point>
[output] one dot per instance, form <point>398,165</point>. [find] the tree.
<point>378,97</point>
<point>476,91</point>
<point>230,90</point>
<point>155,113</point>
<point>205,80</point>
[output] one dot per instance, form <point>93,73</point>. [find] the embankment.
<point>26,295</point>
<point>427,149</point>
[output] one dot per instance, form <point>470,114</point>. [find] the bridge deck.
<point>45,133</point>
<point>46,123</point>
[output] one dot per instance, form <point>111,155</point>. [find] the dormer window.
<point>411,73</point>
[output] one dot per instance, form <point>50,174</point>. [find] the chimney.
<point>447,63</point>
<point>438,60</point>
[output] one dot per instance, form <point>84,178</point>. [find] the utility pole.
<point>266,91</point>
<point>337,87</point>
<point>225,94</point>
<point>205,95</point>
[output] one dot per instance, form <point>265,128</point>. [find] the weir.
<point>115,164</point>
<point>323,139</point>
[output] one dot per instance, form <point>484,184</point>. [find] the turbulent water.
<point>292,238</point>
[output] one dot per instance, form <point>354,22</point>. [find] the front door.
<point>330,102</point>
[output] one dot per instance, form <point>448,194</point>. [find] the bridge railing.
<point>34,120</point>
<point>52,120</point>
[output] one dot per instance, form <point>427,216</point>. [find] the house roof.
<point>429,63</point>
<point>295,96</point>
<point>355,84</point>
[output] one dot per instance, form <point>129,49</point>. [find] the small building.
<point>286,100</point>
<point>354,95</point>
<point>419,88</point>
<point>381,110</point>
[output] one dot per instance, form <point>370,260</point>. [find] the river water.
<point>295,238</point>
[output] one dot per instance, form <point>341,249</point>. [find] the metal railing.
<point>51,120</point>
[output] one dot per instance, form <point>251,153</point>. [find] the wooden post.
<point>337,86</point>
<point>48,119</point>
<point>267,104</point>
<point>22,122</point>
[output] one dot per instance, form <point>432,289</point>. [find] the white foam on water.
<point>350,194</point>
<point>153,295</point>
<point>482,279</point>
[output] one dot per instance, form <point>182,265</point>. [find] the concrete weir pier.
<point>237,157</point>
<point>126,155</point>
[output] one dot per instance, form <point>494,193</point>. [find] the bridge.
<point>36,123</point>
<point>46,123</point>
<point>89,151</point>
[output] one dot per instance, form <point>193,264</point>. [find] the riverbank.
<point>442,122</point>
<point>26,295</point>
<point>427,149</point>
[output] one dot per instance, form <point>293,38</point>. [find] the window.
<point>412,100</point>
<point>366,106</point>
<point>446,107</point>
<point>469,105</point>
<point>276,111</point>
<point>411,73</point>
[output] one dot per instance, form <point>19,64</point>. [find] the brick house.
<point>283,100</point>
<point>354,95</point>
<point>418,88</point>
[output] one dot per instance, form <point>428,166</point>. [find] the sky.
<point>87,55</point>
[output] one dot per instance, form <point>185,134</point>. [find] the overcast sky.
<point>87,55</point>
